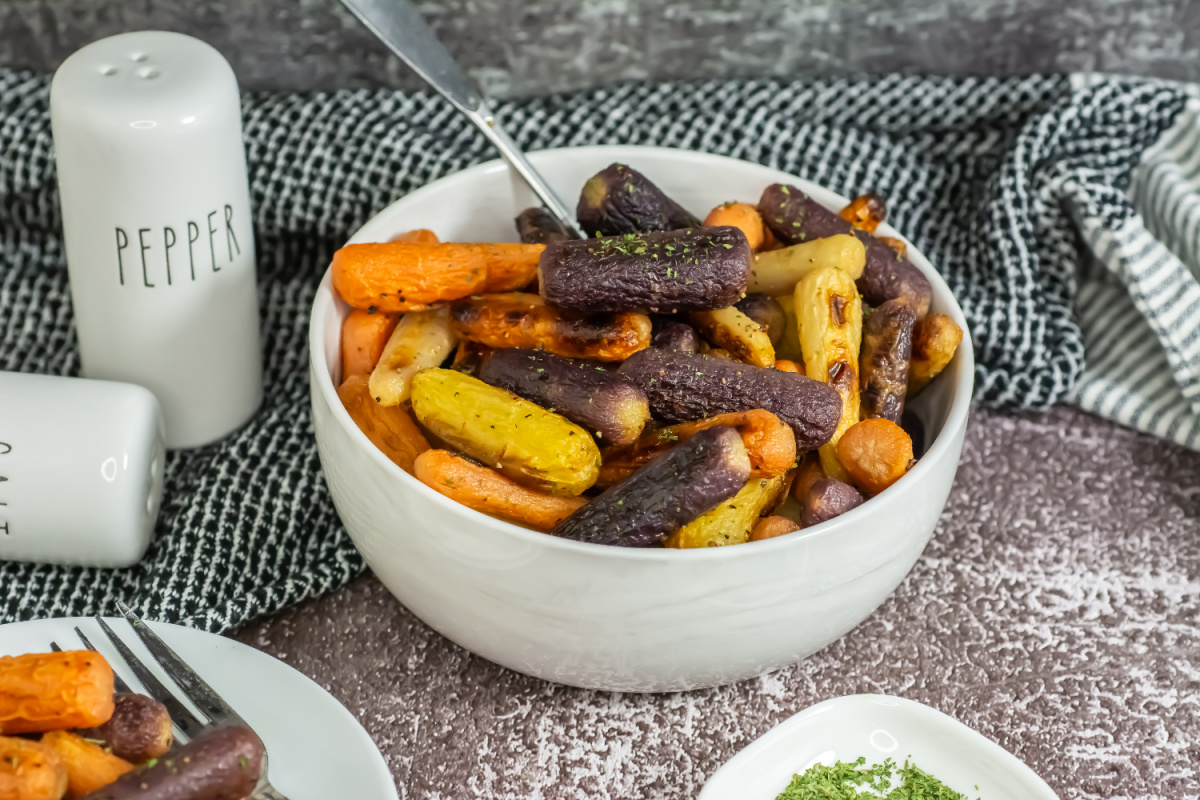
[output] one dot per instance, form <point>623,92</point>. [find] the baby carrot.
<point>419,236</point>
<point>390,428</point>
<point>363,338</point>
<point>742,216</point>
<point>405,276</point>
<point>484,489</point>
<point>46,691</point>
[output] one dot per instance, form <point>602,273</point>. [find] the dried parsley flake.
<point>848,780</point>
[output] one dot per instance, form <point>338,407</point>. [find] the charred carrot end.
<point>865,212</point>
<point>89,766</point>
<point>742,216</point>
<point>390,428</point>
<point>419,236</point>
<point>486,490</point>
<point>770,527</point>
<point>363,337</point>
<point>48,691</point>
<point>401,276</point>
<point>30,771</point>
<point>511,266</point>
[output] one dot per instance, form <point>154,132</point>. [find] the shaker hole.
<point>139,57</point>
<point>108,70</point>
<point>147,73</point>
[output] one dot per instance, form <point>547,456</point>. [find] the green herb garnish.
<point>848,780</point>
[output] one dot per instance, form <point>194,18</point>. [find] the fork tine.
<point>187,722</point>
<point>193,686</point>
<point>118,683</point>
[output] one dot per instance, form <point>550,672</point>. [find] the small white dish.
<point>876,727</point>
<point>316,748</point>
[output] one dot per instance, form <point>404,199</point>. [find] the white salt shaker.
<point>81,470</point>
<point>156,218</point>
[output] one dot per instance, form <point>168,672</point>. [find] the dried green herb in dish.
<point>847,780</point>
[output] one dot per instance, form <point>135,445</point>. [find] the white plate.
<point>876,727</point>
<point>317,750</point>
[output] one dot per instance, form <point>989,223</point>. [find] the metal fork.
<point>216,712</point>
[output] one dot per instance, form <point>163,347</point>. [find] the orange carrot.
<point>520,319</point>
<point>769,442</point>
<point>30,771</point>
<point>808,473</point>
<point>783,365</point>
<point>770,527</point>
<point>403,276</point>
<point>390,428</point>
<point>47,691</point>
<point>511,266</point>
<point>769,241</point>
<point>419,236</point>
<point>740,215</point>
<point>363,337</point>
<point>865,212</point>
<point>89,767</point>
<point>484,489</point>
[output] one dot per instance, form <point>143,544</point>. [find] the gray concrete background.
<point>516,47</point>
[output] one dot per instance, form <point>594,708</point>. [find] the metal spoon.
<point>400,26</point>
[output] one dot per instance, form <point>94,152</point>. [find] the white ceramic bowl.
<point>876,727</point>
<point>610,617</point>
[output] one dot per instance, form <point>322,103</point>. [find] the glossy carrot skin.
<point>49,691</point>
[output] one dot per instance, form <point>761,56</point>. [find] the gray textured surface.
<point>536,46</point>
<point>1057,611</point>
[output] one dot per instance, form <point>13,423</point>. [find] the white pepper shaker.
<point>156,219</point>
<point>81,470</point>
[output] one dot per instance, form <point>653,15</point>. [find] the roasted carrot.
<point>403,276</point>
<point>769,442</point>
<point>770,527</point>
<point>784,365</point>
<point>742,216</point>
<point>139,729</point>
<point>363,337</point>
<point>89,767</point>
<point>511,266</point>
<point>865,212</point>
<point>520,319</point>
<point>48,691</point>
<point>876,453</point>
<point>486,490</point>
<point>935,340</point>
<point>807,474</point>
<point>390,428</point>
<point>30,771</point>
<point>418,236</point>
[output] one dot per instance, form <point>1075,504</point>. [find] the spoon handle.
<point>399,25</point>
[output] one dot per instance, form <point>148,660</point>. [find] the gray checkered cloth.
<point>1002,183</point>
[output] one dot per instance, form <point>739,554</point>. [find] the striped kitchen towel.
<point>1139,295</point>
